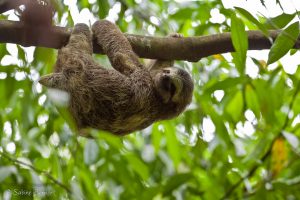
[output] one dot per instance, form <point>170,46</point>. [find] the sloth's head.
<point>173,85</point>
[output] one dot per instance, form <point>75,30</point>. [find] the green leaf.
<point>103,8</point>
<point>252,19</point>
<point>293,51</point>
<point>259,149</point>
<point>6,172</point>
<point>67,116</point>
<point>91,152</point>
<point>3,51</point>
<point>172,143</point>
<point>252,100</point>
<point>183,14</point>
<point>84,3</point>
<point>42,163</point>
<point>156,137</point>
<point>279,21</point>
<point>240,42</point>
<point>176,181</point>
<point>112,140</point>
<point>21,53</point>
<point>86,179</point>
<point>1,122</point>
<point>225,84</point>
<point>70,19</point>
<point>56,167</point>
<point>138,166</point>
<point>283,43</point>
<point>148,193</point>
<point>238,35</point>
<point>235,107</point>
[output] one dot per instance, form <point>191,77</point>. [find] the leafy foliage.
<point>239,139</point>
<point>284,42</point>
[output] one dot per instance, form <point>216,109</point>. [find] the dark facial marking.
<point>168,85</point>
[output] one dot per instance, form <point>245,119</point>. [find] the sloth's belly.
<point>130,124</point>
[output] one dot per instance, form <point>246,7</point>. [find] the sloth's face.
<point>173,84</point>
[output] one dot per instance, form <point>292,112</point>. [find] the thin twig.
<point>19,163</point>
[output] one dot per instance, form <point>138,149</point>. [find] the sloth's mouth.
<point>168,85</point>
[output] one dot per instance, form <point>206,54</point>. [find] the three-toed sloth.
<point>127,98</point>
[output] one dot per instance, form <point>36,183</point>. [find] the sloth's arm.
<point>116,46</point>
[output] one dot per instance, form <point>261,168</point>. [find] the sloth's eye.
<point>166,71</point>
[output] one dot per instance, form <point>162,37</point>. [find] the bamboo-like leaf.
<point>252,19</point>
<point>240,42</point>
<point>284,42</point>
<point>235,106</point>
<point>279,21</point>
<point>252,100</point>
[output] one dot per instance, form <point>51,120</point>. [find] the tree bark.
<point>6,5</point>
<point>164,48</point>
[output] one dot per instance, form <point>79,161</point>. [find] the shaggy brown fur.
<point>123,100</point>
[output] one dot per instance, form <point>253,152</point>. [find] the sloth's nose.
<point>166,77</point>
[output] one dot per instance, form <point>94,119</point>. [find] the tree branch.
<point>189,48</point>
<point>6,5</point>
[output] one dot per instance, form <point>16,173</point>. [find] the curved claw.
<point>54,80</point>
<point>175,35</point>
